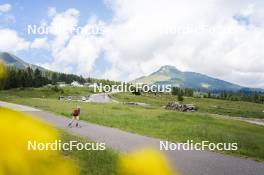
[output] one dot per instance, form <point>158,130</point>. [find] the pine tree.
<point>37,78</point>
<point>180,96</point>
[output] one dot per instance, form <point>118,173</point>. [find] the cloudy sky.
<point>130,38</point>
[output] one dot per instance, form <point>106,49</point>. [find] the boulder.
<point>181,107</point>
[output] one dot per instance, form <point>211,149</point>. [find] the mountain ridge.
<point>14,61</point>
<point>168,74</point>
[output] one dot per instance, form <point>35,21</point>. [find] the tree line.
<point>241,95</point>
<point>180,92</point>
<point>15,78</point>
<point>103,81</point>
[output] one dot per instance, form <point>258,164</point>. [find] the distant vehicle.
<point>61,98</point>
<point>84,99</point>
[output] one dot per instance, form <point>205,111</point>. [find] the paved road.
<point>100,98</point>
<point>187,162</point>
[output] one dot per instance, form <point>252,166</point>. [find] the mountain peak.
<point>12,60</point>
<point>167,69</point>
<point>171,75</point>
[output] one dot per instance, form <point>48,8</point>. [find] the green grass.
<point>157,122</point>
<point>45,92</point>
<point>168,125</point>
<point>90,162</point>
<point>205,105</point>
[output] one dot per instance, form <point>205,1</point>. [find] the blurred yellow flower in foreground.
<point>2,69</point>
<point>144,162</point>
<point>15,159</point>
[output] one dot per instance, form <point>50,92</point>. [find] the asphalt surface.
<point>100,98</point>
<point>186,162</point>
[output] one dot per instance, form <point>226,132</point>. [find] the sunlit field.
<point>157,122</point>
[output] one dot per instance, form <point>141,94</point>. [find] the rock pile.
<point>181,107</point>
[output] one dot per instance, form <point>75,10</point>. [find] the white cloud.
<point>143,35</point>
<point>10,41</point>
<point>207,39</point>
<point>74,53</point>
<point>62,25</point>
<point>40,43</point>
<point>5,8</point>
<point>80,53</point>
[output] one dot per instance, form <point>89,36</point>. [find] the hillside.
<point>12,60</point>
<point>171,75</point>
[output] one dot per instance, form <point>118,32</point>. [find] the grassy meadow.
<point>205,105</point>
<point>45,92</point>
<point>157,122</point>
<point>91,162</point>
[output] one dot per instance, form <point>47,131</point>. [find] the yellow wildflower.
<point>144,162</point>
<point>15,159</point>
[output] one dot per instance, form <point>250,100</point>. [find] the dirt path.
<point>254,121</point>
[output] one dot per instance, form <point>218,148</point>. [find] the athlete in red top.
<point>75,116</point>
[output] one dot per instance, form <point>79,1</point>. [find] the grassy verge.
<point>205,105</point>
<point>160,123</point>
<point>45,92</point>
<point>91,162</point>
